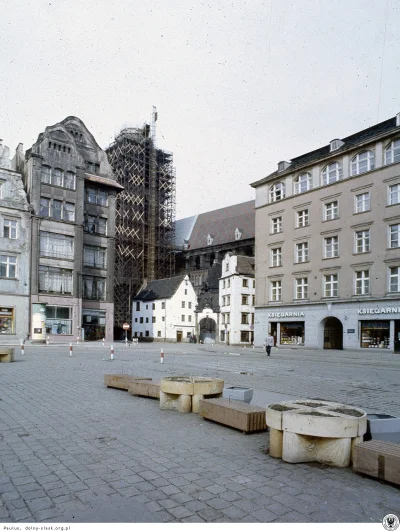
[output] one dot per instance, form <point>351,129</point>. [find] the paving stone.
<point>180,512</point>
<point>195,505</point>
<point>209,514</point>
<point>170,489</point>
<point>40,503</point>
<point>195,518</point>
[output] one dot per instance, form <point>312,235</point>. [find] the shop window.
<point>292,333</point>
<point>362,282</point>
<point>331,247</point>
<point>94,324</point>
<point>362,241</point>
<point>59,320</point>
<point>362,202</point>
<point>7,321</point>
<point>276,290</point>
<point>331,285</point>
<point>302,217</point>
<point>375,334</point>
<point>10,229</point>
<point>244,336</point>
<point>394,236</point>
<point>276,225</point>
<point>331,210</point>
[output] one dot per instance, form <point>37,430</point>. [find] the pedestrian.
<point>269,342</point>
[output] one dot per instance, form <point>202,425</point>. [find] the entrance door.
<point>274,327</point>
<point>397,336</point>
<point>179,336</point>
<point>333,334</point>
<point>207,330</point>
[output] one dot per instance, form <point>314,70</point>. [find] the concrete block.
<point>242,394</point>
<point>233,413</point>
<point>303,448</point>
<point>146,388</point>
<point>379,459</point>
<point>121,381</point>
<point>6,355</point>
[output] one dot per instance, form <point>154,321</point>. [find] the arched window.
<point>363,162</point>
<point>331,173</point>
<point>276,192</point>
<point>302,183</point>
<point>392,152</point>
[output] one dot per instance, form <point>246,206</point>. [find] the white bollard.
<point>112,353</point>
<point>103,341</point>
<point>70,349</point>
<point>162,356</point>
<point>126,341</point>
<point>22,347</point>
<point>47,340</point>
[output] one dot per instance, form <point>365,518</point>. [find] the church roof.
<point>164,288</point>
<point>245,265</point>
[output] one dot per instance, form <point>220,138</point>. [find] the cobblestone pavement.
<point>72,450</point>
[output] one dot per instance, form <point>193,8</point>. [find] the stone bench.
<point>121,381</point>
<point>6,354</point>
<point>235,414</point>
<point>380,459</point>
<point>147,388</point>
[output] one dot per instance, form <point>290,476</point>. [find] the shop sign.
<point>351,331</point>
<point>286,314</point>
<point>370,311</point>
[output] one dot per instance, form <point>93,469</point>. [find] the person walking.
<point>269,342</point>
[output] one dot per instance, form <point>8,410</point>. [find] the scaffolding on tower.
<point>145,215</point>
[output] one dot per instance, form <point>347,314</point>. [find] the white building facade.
<point>164,311</point>
<point>328,245</point>
<point>237,300</point>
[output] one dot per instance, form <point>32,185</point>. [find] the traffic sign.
<point>126,326</point>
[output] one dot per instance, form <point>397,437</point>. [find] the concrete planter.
<point>383,427</point>
<point>241,394</point>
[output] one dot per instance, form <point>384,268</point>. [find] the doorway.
<point>397,337</point>
<point>207,330</point>
<point>179,336</point>
<point>333,334</point>
<point>274,328</point>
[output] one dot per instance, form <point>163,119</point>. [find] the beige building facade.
<point>328,245</point>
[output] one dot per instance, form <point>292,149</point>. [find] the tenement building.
<point>15,247</point>
<point>72,191</point>
<point>328,245</point>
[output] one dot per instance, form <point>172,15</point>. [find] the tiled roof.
<point>164,288</point>
<point>245,265</point>
<point>349,142</point>
<point>221,224</point>
<point>103,180</point>
<point>183,230</point>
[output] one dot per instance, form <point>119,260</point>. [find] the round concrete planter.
<point>184,393</point>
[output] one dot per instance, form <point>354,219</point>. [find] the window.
<point>153,319</point>
<point>163,305</point>
<point>10,229</point>
<point>394,194</point>
<point>44,207</point>
<point>147,306</point>
<point>56,245</point>
<point>163,318</point>
<point>154,306</point>
<point>276,257</point>
<point>57,177</point>
<point>302,183</point>
<point>228,300</point>
<point>185,291</point>
<point>147,333</point>
<point>189,318</point>
<point>362,282</point>
<point>223,284</point>
<point>158,333</point>
<point>183,304</point>
<point>55,280</point>
<point>276,290</point>
<point>301,288</point>
<point>137,306</point>
<point>253,300</point>
<point>331,247</point>
<point>96,196</point>
<point>94,288</point>
<point>302,218</point>
<point>59,320</point>
<point>95,225</point>
<point>394,236</point>
<point>136,319</point>
<point>2,189</point>
<point>276,192</point>
<point>363,162</point>
<point>59,210</point>
<point>141,320</point>
<point>301,252</point>
<point>229,283</point>
<point>147,319</point>
<point>331,210</point>
<point>245,318</point>
<point>94,256</point>
<point>362,241</point>
<point>183,319</point>
<point>392,152</point>
<point>394,279</point>
<point>331,173</point>
<point>362,202</point>
<point>244,336</point>
<point>330,285</point>
<point>245,283</point>
<point>8,266</point>
<point>7,321</point>
<point>189,305</point>
<point>245,299</point>
<point>276,225</point>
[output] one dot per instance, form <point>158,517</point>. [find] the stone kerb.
<point>311,430</point>
<point>184,393</point>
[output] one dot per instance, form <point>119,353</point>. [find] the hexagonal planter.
<point>241,394</point>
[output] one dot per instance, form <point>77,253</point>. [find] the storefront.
<point>292,333</point>
<point>7,321</point>
<point>285,330</point>
<point>375,334</point>
<point>94,324</point>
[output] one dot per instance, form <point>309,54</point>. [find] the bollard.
<point>162,356</point>
<point>22,347</point>
<point>47,340</point>
<point>70,349</point>
<point>126,341</point>
<point>103,341</point>
<point>112,353</point>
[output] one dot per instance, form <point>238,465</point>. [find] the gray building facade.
<point>72,191</point>
<point>328,245</point>
<point>15,249</point>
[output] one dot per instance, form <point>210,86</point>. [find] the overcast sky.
<point>238,85</point>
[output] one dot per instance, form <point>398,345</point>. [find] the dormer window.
<point>283,165</point>
<point>276,192</point>
<point>336,144</point>
<point>238,234</point>
<point>210,239</point>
